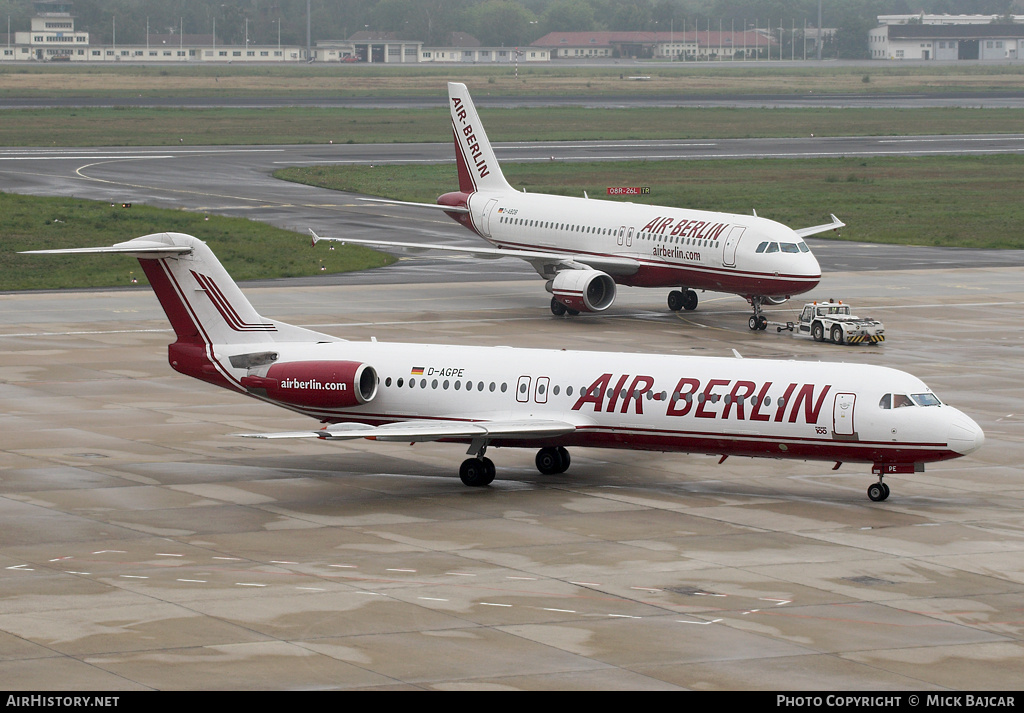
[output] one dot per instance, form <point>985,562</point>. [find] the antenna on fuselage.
<point>755,212</point>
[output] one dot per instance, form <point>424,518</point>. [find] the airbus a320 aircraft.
<point>542,398</point>
<point>584,246</point>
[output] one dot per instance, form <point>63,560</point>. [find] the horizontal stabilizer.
<point>136,248</point>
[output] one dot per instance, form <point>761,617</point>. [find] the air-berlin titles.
<point>471,143</point>
<point>699,229</point>
<point>743,400</point>
<point>313,385</point>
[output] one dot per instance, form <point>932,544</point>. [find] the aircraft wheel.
<point>557,308</point>
<point>877,492</point>
<point>549,461</point>
<point>572,312</point>
<point>564,457</point>
<point>690,301</point>
<point>753,322</point>
<point>477,472</point>
<point>762,322</point>
<point>837,334</point>
<point>676,300</point>
<point>818,332</point>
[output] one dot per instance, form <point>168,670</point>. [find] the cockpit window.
<point>803,247</point>
<point>772,248</point>
<point>926,399</point>
<point>762,247</point>
<point>886,402</point>
<point>790,248</point>
<point>901,400</point>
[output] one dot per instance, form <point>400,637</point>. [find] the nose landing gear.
<point>878,492</point>
<point>757,320</point>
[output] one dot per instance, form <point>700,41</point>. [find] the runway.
<point>144,547</point>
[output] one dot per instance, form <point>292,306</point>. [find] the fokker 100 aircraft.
<point>542,398</point>
<point>585,246</point>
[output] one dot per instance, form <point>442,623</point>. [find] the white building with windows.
<point>53,35</point>
<point>947,37</point>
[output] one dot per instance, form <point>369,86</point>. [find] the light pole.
<point>818,43</point>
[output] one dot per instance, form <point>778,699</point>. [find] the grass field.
<point>665,78</point>
<point>197,127</point>
<point>248,250</point>
<point>971,202</point>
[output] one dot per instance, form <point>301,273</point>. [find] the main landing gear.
<point>551,461</point>
<point>679,300</point>
<point>879,491</point>
<point>478,471</point>
<point>558,309</point>
<point>757,320</point>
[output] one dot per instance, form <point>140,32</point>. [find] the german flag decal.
<point>417,371</point>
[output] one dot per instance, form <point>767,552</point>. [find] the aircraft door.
<point>541,394</point>
<point>622,234</point>
<point>523,390</point>
<point>485,222</point>
<point>842,415</point>
<point>732,240</point>
<point>629,237</point>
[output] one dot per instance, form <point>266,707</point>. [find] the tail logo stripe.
<point>226,310</point>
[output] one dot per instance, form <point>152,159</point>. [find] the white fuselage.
<point>713,405</point>
<point>668,247</point>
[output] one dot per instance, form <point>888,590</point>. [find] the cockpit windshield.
<point>891,401</point>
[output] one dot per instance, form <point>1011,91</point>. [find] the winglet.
<point>836,224</point>
<point>315,237</point>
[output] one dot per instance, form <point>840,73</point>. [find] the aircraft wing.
<point>538,258</point>
<point>814,230</point>
<point>414,431</point>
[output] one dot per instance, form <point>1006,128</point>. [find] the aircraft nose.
<point>811,266</point>
<point>965,436</point>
